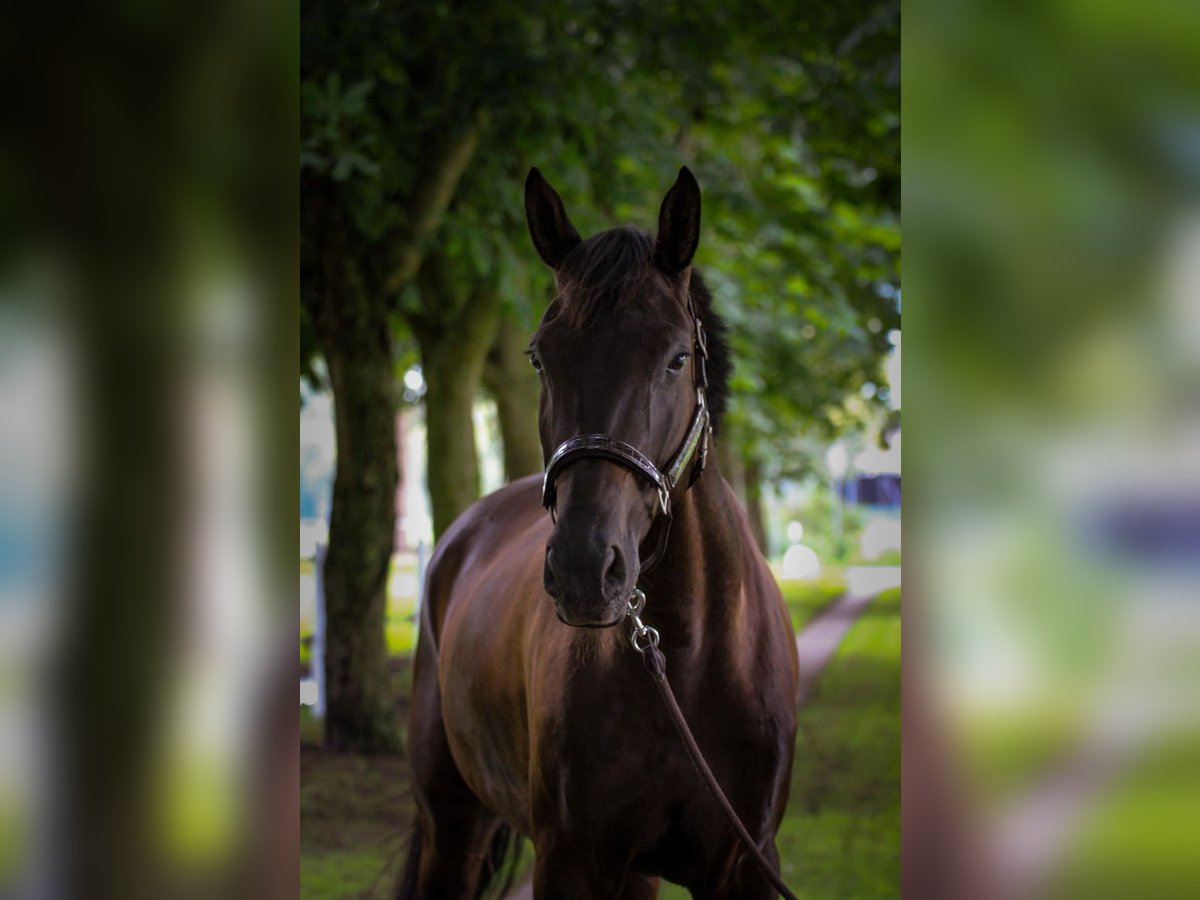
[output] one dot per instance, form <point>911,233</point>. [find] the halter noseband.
<point>601,446</point>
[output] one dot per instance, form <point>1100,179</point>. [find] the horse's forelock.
<point>602,273</point>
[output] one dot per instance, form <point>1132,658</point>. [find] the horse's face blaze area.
<point>616,375</point>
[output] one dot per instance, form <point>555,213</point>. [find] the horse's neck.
<point>699,579</point>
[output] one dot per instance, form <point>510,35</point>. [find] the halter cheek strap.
<point>601,446</point>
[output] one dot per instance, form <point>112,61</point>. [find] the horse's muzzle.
<point>589,589</point>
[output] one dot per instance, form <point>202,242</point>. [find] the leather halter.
<point>601,446</point>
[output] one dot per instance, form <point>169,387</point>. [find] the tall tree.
<point>357,255</point>
<point>513,384</point>
<point>455,326</point>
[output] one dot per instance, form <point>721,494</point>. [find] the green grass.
<point>1139,840</point>
<point>841,835</point>
<point>1004,753</point>
<point>401,632</point>
<point>886,558</point>
<point>400,628</point>
<point>14,839</point>
<point>355,817</point>
<point>806,598</point>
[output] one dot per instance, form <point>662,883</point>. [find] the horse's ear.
<point>553,234</point>
<point>679,224</point>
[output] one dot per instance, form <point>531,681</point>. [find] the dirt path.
<point>820,639</point>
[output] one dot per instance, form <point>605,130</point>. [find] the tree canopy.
<point>788,113</point>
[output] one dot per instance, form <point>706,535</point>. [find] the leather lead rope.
<point>656,664</point>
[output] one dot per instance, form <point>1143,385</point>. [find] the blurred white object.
<point>800,562</point>
<point>308,692</point>
<point>880,534</point>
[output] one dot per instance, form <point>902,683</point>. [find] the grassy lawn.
<point>355,811</point>
<point>1006,753</point>
<point>401,628</point>
<point>841,835</point>
<point>840,838</point>
<point>355,816</point>
<point>1140,838</point>
<point>806,598</point>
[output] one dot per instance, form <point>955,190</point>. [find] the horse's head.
<point>616,351</point>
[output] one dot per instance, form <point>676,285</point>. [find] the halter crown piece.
<point>601,446</point>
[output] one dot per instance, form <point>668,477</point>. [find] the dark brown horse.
<point>528,714</point>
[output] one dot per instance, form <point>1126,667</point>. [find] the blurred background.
<point>1052,211</point>
<point>420,288</point>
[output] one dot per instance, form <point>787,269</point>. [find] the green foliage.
<point>788,114</point>
<point>339,140</point>
<point>816,512</point>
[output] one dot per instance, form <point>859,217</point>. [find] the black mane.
<point>604,272</point>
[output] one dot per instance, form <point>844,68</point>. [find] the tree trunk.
<point>514,386</point>
<point>360,714</point>
<point>453,349</point>
<point>448,155</point>
<point>346,289</point>
<point>453,468</point>
<point>352,327</point>
<point>752,471</point>
<point>121,635</point>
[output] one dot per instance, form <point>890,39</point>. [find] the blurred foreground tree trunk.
<point>454,336</point>
<point>353,330</point>
<point>122,631</point>
<point>514,386</point>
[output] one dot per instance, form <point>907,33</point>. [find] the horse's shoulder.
<point>478,533</point>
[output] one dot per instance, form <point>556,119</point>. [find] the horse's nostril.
<point>614,567</point>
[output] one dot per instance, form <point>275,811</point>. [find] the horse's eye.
<point>535,362</point>
<point>678,363</point>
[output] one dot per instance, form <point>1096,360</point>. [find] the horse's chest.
<point>618,756</point>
